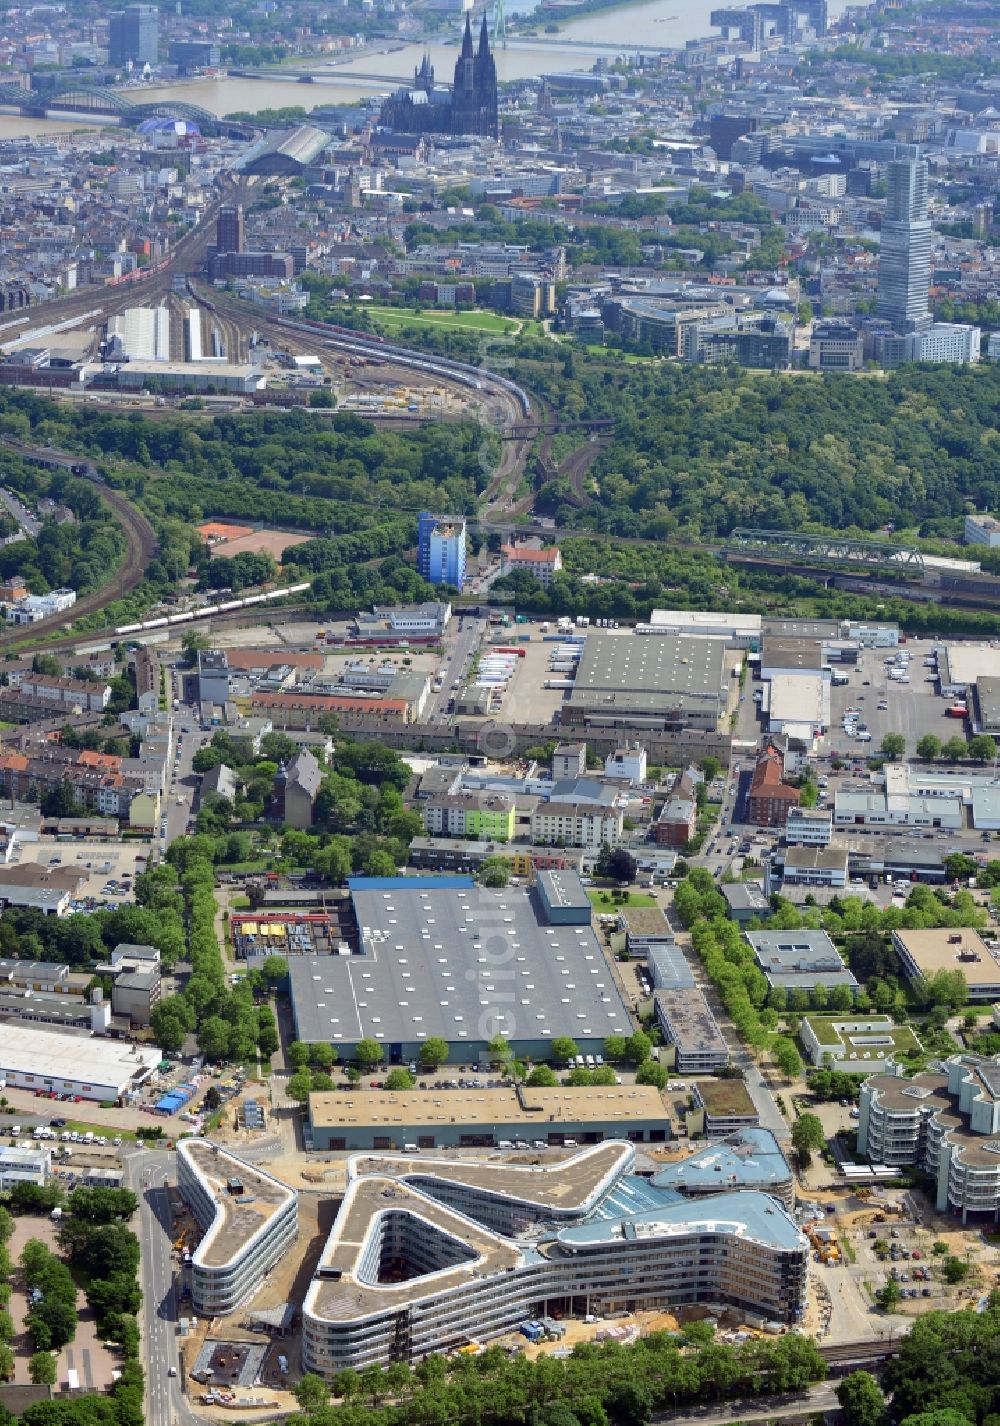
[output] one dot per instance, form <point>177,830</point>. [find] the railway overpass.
<point>827,549</point>
<point>95,99</point>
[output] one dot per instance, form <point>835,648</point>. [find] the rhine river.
<point>650,23</point>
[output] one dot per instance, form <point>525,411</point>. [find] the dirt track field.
<point>270,542</point>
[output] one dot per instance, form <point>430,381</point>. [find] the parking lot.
<point>86,1354</point>
<point>110,868</point>
<point>913,708</point>
<point>526,697</point>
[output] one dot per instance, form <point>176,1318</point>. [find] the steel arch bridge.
<point>86,99</point>
<point>828,549</point>
<point>163,110</point>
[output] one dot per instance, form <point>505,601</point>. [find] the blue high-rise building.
<point>441,548</point>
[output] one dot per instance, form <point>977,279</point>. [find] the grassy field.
<point>604,901</point>
<point>393,318</point>
<point>107,1131</point>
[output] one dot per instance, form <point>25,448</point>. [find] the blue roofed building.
<point>749,1159</point>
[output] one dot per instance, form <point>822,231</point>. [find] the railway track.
<point>868,1350</point>
<point>187,256</point>
<point>140,547</point>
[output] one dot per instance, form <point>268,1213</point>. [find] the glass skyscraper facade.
<point>134,36</point>
<point>904,269</point>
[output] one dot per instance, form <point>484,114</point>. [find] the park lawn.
<point>396,317</point>
<point>604,901</point>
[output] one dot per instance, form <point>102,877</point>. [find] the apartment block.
<point>487,816</point>
<point>577,824</point>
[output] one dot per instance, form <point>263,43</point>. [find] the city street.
<point>184,782</point>
<point>148,1173</point>
<point>464,644</point>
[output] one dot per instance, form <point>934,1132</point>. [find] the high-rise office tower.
<point>904,267</point>
<point>230,230</point>
<point>135,35</point>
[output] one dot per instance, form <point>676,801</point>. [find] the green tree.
<point>861,1400</point>
<point>369,1053</point>
<point>311,1392</point>
<point>111,1295</point>
<point>928,748</point>
<point>942,1417</point>
<point>841,998</point>
<point>42,1368</point>
<point>499,1049</point>
<point>954,1269</point>
<point>711,767</point>
<point>787,1057</point>
<point>889,1296</point>
<point>298,1054</point>
<point>959,867</point>
<point>807,1134</point>
<point>433,1053</point>
<point>955,749</point>
<point>398,1079</point>
<point>563,1049</point>
<point>494,872</point>
<point>638,1047</point>
<point>542,1077</point>
<point>893,746</point>
<point>274,969</point>
<point>616,864</point>
<point>651,1072</point>
<point>615,1048</point>
<point>982,748</point>
<point>380,863</point>
<point>299,1086</point>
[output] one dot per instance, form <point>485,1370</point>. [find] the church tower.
<point>474,96</point>
<point>463,95</point>
<point>486,86</point>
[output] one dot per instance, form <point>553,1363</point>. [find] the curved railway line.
<point>141,545</point>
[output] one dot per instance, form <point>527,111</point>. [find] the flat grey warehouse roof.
<point>458,961</point>
<point>616,663</point>
<point>799,959</point>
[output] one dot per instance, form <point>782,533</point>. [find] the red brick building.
<point>770,796</point>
